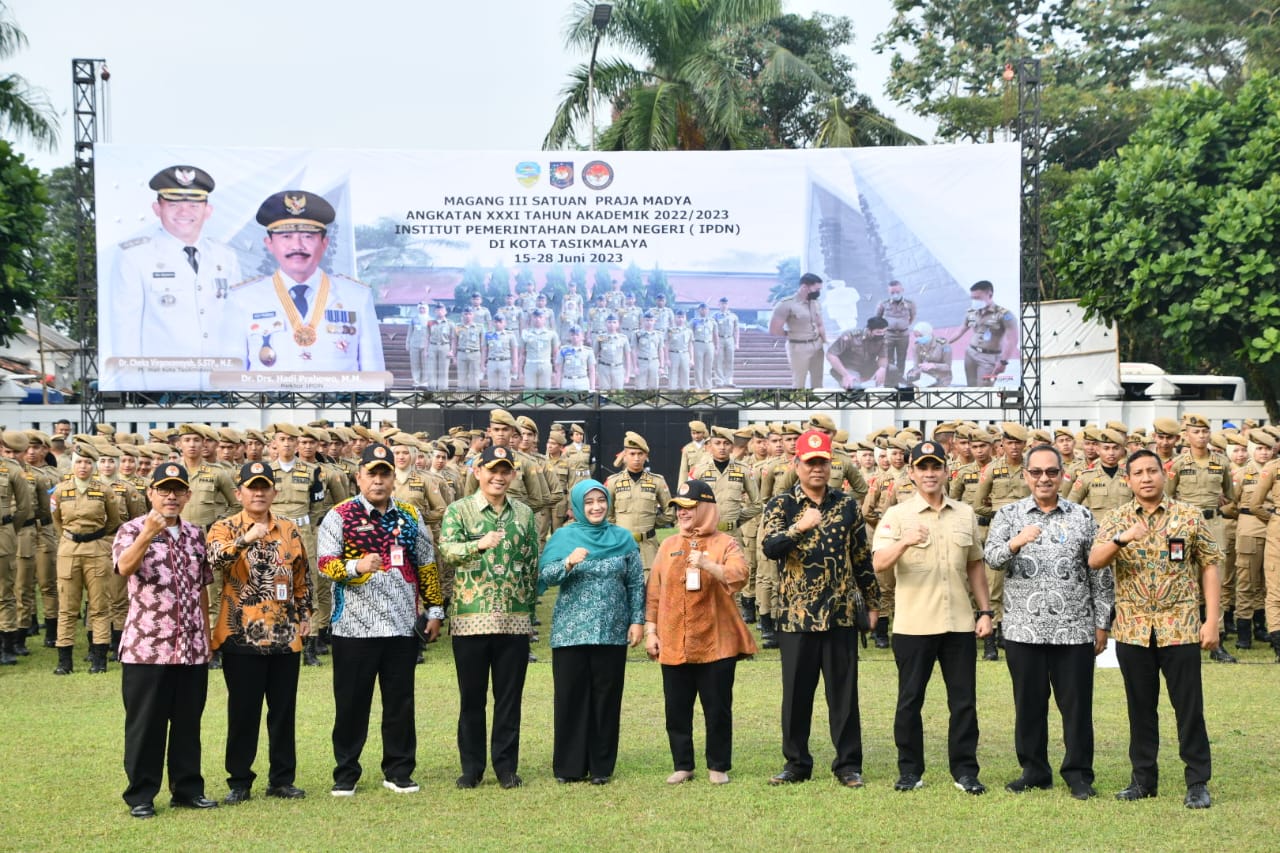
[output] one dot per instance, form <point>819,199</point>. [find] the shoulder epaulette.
<point>136,241</point>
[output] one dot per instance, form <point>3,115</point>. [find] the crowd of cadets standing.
<point>606,345</point>
<point>58,519</point>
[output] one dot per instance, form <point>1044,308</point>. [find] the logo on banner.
<point>528,172</point>
<point>561,175</point>
<point>597,174</point>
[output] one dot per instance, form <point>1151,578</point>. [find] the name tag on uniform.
<point>168,274</point>
<point>397,556</point>
<point>282,592</point>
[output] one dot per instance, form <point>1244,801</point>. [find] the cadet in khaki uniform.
<point>1251,540</point>
<point>1103,487</point>
<point>299,496</point>
<point>46,542</point>
<point>640,498</point>
<point>14,446</point>
<point>1236,448</point>
<point>1265,505</point>
<point>528,445</point>
<point>1001,484</point>
<point>130,505</point>
<point>527,486</point>
<point>85,518</point>
<point>558,469</point>
<point>691,453</point>
<point>17,505</point>
<point>770,477</point>
<point>737,495</point>
<point>892,487</point>
<point>1202,477</point>
<point>800,320</point>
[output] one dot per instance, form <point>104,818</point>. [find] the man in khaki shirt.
<point>930,544</point>
<point>800,320</point>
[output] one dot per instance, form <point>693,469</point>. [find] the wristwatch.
<point>978,614</point>
<point>1118,542</point>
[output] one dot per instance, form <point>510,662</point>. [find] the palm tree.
<point>24,111</point>
<point>691,92</point>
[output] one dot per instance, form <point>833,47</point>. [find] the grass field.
<point>63,744</point>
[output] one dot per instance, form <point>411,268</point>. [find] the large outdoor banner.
<point>303,270</point>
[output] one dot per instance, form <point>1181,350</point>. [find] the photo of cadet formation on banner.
<point>485,272</point>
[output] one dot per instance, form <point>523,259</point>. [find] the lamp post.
<point>599,19</point>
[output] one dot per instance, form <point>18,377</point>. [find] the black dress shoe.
<point>787,777</point>
<point>600,780</point>
<point>236,796</point>
<point>1135,792</point>
<point>1221,655</point>
<point>908,782</point>
<point>1022,784</point>
<point>1197,797</point>
<point>286,792</point>
<point>509,780</point>
<point>971,785</point>
<point>1083,791</point>
<point>849,778</point>
<point>143,810</point>
<point>464,781</point>
<point>197,802</point>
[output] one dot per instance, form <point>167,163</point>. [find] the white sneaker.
<point>341,790</point>
<point>401,786</point>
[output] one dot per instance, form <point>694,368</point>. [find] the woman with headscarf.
<point>598,614</point>
<point>693,628</point>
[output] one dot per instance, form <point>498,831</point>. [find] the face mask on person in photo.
<point>977,304</point>
<point>925,341</point>
<point>814,294</point>
<point>896,297</point>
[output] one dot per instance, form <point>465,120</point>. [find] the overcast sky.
<point>333,73</point>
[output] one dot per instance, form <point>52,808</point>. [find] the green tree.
<point>604,279</point>
<point>473,281</point>
<point>499,284</point>
<point>59,288</point>
<point>23,203</point>
<point>25,112</point>
<point>657,284</point>
<point>1178,235</point>
<point>382,249</point>
<point>689,92</point>
<point>788,281</point>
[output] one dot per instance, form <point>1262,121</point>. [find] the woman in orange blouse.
<point>692,627</point>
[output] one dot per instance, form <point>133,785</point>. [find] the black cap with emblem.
<point>182,183</point>
<point>295,210</point>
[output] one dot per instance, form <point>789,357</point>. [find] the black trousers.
<point>475,658</point>
<point>805,655</point>
<point>1035,669</point>
<point>357,663</point>
<point>1141,668</point>
<point>587,709</point>
<point>712,683</point>
<point>250,678</point>
<point>955,653</point>
<point>162,702</point>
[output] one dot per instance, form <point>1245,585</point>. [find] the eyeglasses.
<point>1037,473</point>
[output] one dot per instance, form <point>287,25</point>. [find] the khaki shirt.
<point>293,493</point>
<point>1098,493</point>
<point>17,498</point>
<point>84,513</point>
<point>1001,484</point>
<point>213,496</point>
<point>1245,481</point>
<point>639,505</point>
<point>801,317</point>
<point>932,595</point>
<point>737,497</point>
<point>1206,485</point>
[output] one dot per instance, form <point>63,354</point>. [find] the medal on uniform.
<point>304,330</point>
<point>266,354</point>
<point>168,300</point>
